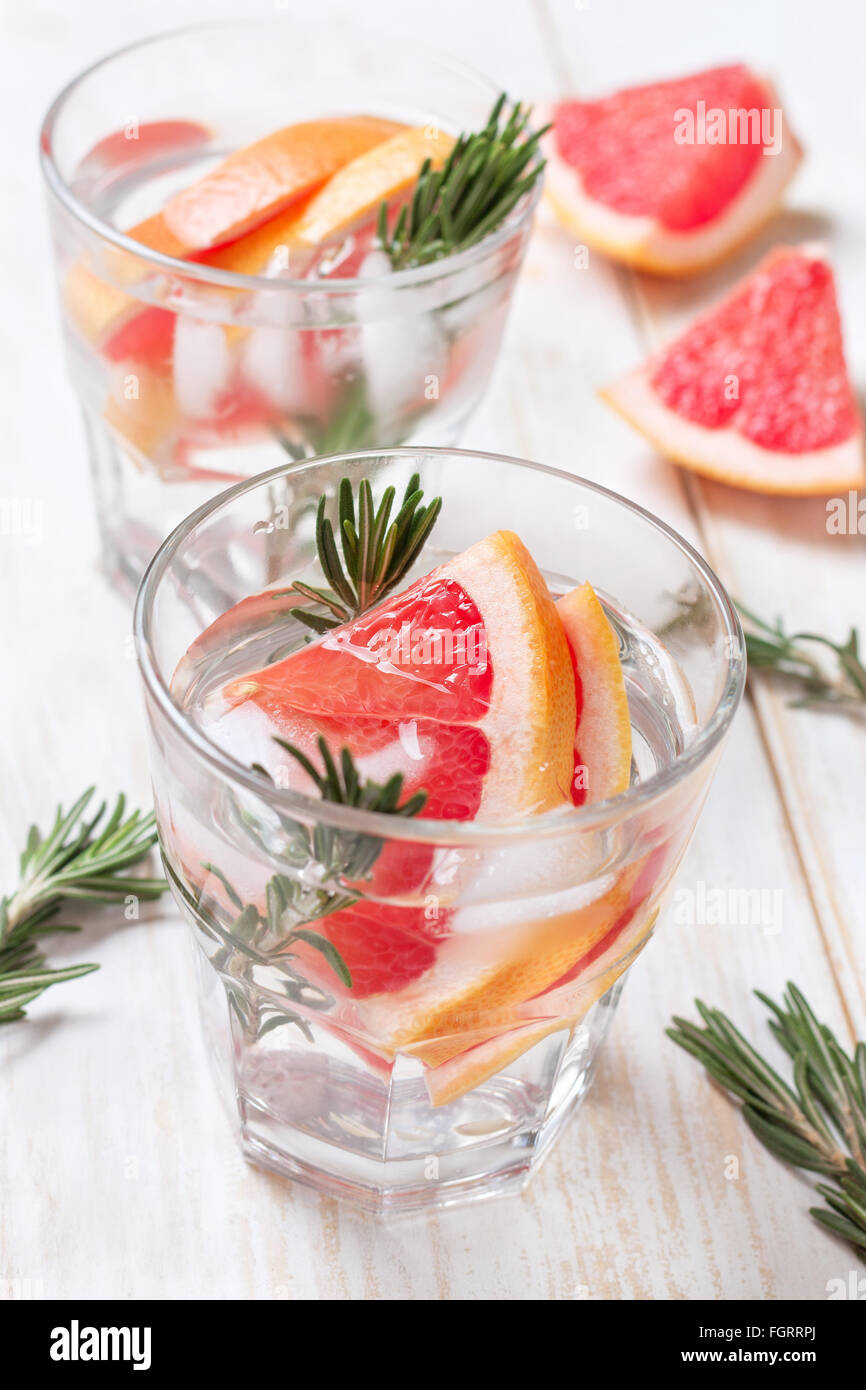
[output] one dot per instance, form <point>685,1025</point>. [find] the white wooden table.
<point>118,1176</point>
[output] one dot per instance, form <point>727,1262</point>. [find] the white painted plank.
<point>120,1174</point>
<point>775,554</point>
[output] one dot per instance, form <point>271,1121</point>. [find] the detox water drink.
<point>190,376</point>
<point>499,948</point>
<point>315,1085</point>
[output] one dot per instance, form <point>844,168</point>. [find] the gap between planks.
<point>768,707</point>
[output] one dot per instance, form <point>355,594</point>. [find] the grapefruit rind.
<point>530,721</point>
<point>478,977</point>
<point>470,1068</point>
<point>603,738</point>
<point>723,453</point>
<point>373,177</point>
<point>642,242</point>
<point>259,181</point>
<point>726,456</point>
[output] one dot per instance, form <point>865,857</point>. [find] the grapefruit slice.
<point>376,176</point>
<point>141,410</point>
<point>261,180</point>
<point>463,683</point>
<point>252,185</point>
<point>602,748</point>
<point>483,971</point>
<point>354,191</point>
<point>487,723</point>
<point>477,645</point>
<point>565,1006</point>
<point>673,176</point>
<point>116,155</point>
<point>756,392</point>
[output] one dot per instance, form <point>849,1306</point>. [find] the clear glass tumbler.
<point>192,376</point>
<point>457,1083</point>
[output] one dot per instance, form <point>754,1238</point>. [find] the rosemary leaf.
<point>376,551</point>
<point>788,657</point>
<point>452,208</point>
<point>797,1125</point>
<point>75,861</point>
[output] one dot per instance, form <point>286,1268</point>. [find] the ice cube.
<point>403,345</point>
<point>202,366</point>
<point>537,907</point>
<point>273,362</point>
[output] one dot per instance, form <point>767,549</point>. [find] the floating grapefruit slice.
<point>565,1007</point>
<point>374,177</point>
<point>486,722</point>
<point>261,180</point>
<point>756,392</point>
<point>484,969</point>
<point>250,186</point>
<point>673,176</point>
<point>602,748</point>
<point>377,175</point>
<point>475,646</point>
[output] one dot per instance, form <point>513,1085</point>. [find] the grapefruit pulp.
<point>673,176</point>
<point>756,391</point>
<point>487,722</point>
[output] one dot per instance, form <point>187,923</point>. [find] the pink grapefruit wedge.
<point>489,728</point>
<point>673,176</point>
<point>602,747</point>
<point>259,181</point>
<point>756,392</point>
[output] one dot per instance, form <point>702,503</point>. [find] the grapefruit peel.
<point>785,355</point>
<point>642,239</point>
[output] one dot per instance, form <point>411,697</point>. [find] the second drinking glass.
<point>207,344</point>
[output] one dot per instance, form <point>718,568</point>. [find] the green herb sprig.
<point>75,861</point>
<point>374,554</point>
<point>484,177</point>
<point>331,857</point>
<point>817,1123</point>
<point>787,655</point>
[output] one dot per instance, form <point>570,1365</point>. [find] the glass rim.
<point>486,834</point>
<point>229,279</point>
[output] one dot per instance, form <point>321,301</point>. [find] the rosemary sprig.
<point>74,861</point>
<point>770,648</point>
<point>351,425</point>
<point>341,854</point>
<point>376,551</point>
<point>292,902</point>
<point>484,177</point>
<point>819,1122</point>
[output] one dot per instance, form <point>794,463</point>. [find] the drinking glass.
<point>192,376</point>
<point>457,1084</point>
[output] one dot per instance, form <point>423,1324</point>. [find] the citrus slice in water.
<point>474,654</point>
<point>270,179</point>
<point>756,392</point>
<point>602,745</point>
<point>673,176</point>
<point>262,179</point>
<point>465,683</point>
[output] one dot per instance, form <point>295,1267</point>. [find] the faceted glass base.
<point>367,1132</point>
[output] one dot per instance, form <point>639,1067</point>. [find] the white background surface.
<point>118,1175</point>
